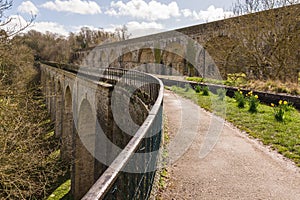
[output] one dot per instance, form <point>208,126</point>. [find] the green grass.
<point>237,79</point>
<point>163,172</point>
<point>61,192</point>
<point>281,136</point>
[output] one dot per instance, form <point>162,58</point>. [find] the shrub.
<point>195,79</point>
<point>221,93</point>
<point>187,87</point>
<point>253,102</point>
<point>205,91</point>
<point>240,99</point>
<point>197,89</point>
<point>281,110</point>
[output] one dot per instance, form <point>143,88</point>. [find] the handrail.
<point>147,138</point>
<point>106,181</point>
<point>108,178</point>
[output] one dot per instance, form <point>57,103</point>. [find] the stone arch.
<point>48,91</point>
<point>103,56</point>
<point>67,126</point>
<point>59,109</point>
<point>173,56</point>
<point>113,59</point>
<point>96,58</point>
<point>145,56</point>
<point>43,80</point>
<point>127,59</point>
<point>52,99</point>
<point>86,134</point>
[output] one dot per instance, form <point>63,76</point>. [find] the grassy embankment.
<point>240,80</point>
<point>283,136</point>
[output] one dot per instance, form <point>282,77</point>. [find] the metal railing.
<point>116,182</point>
<point>130,176</point>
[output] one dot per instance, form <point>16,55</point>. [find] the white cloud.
<point>187,13</point>
<point>28,7</point>
<point>53,27</point>
<point>138,29</point>
<point>18,22</point>
<point>14,23</point>
<point>211,14</point>
<point>142,10</point>
<point>77,29</point>
<point>73,6</point>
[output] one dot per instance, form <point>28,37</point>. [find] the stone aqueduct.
<point>92,139</point>
<point>81,106</point>
<point>67,97</point>
<point>185,51</point>
<point>177,53</point>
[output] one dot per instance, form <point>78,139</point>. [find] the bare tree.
<point>122,33</point>
<point>241,7</point>
<point>28,163</point>
<point>268,42</point>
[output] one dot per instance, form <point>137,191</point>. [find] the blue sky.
<point>142,17</point>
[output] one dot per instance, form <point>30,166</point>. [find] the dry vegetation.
<point>264,45</point>
<point>29,160</point>
<point>30,164</point>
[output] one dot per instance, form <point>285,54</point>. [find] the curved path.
<point>236,168</point>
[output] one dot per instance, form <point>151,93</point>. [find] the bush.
<point>221,93</point>
<point>187,87</point>
<point>195,79</point>
<point>240,99</point>
<point>197,89</point>
<point>253,102</point>
<point>281,110</point>
<point>205,91</point>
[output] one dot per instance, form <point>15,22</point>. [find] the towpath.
<point>236,168</point>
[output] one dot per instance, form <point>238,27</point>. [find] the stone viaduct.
<point>201,50</point>
<point>172,53</point>
<point>107,109</point>
<point>103,124</point>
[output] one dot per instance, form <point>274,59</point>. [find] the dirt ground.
<point>236,168</point>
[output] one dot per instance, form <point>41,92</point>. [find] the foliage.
<point>27,168</point>
<point>54,47</point>
<point>187,87</point>
<point>253,102</point>
<point>236,79</point>
<point>47,46</point>
<point>240,99</point>
<point>281,110</point>
<point>221,92</point>
<point>242,7</point>
<point>239,80</point>
<point>163,174</point>
<point>284,137</point>
<point>121,33</point>
<point>262,45</point>
<point>267,46</point>
<point>198,88</point>
<point>205,91</point>
<point>195,79</point>
<point>61,191</point>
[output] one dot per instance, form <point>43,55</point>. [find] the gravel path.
<point>236,168</point>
